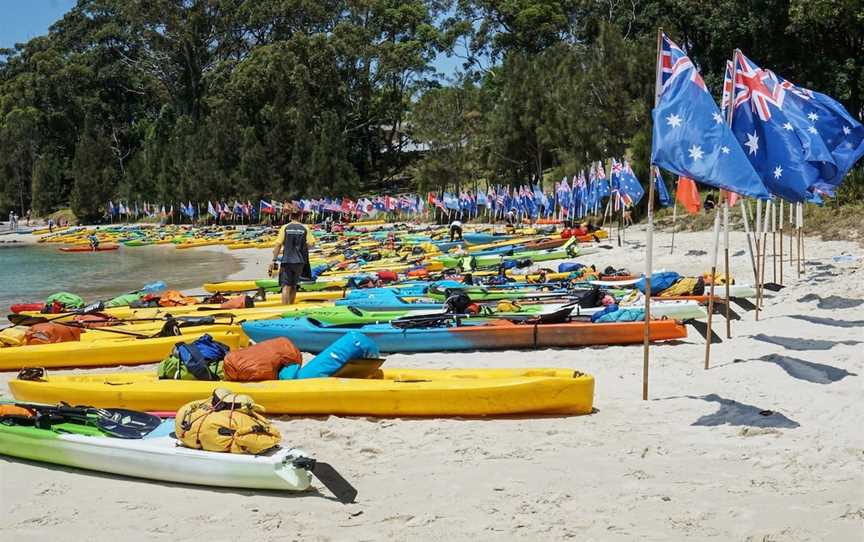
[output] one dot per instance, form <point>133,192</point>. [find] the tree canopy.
<point>170,100</point>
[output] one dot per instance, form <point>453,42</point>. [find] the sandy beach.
<point>766,445</point>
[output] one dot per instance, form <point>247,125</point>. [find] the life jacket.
<point>238,302</point>
<point>173,298</point>
<point>199,355</point>
<point>49,333</point>
<point>226,422</point>
<point>13,336</point>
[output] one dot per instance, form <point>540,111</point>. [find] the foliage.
<point>170,100</point>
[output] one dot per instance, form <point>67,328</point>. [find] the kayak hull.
<point>157,458</point>
<point>310,336</point>
<point>396,392</point>
<point>107,352</point>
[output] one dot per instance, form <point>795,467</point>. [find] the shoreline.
<point>765,445</point>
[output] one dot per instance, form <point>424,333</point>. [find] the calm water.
<point>32,273</point>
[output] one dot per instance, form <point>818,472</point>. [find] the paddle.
<point>116,422</point>
<point>93,307</point>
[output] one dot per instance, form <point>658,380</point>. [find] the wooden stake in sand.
<point>715,247</point>
<point>773,244</point>
<point>674,217</point>
<point>758,238</point>
<point>782,229</point>
<point>649,239</point>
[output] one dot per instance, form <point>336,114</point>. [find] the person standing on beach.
<point>293,242</point>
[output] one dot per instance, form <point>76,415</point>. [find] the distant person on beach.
<point>710,202</point>
<point>510,220</point>
<point>455,230</point>
<point>27,216</point>
<point>50,225</point>
<point>11,220</point>
<point>94,241</point>
<point>293,242</point>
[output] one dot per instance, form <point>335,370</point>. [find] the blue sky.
<point>22,20</point>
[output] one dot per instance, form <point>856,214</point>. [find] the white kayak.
<point>158,458</point>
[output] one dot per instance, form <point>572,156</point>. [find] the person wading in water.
<point>293,242</point>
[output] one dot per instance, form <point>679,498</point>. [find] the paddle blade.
<point>25,320</point>
<point>334,482</point>
<point>126,424</point>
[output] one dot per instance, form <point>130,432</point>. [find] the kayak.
<point>391,392</point>
<point>312,336</point>
<point>153,458</point>
<point>87,248</point>
<point>127,351</point>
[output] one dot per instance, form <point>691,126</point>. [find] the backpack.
<point>198,355</point>
<point>226,422</point>
<point>457,303</point>
<point>170,368</point>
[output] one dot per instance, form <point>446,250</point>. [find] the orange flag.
<point>688,196</point>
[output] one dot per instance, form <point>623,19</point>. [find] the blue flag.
<point>630,187</point>
<point>662,193</point>
<point>801,142</point>
<point>690,137</point>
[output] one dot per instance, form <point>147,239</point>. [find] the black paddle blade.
<point>702,329</point>
<point>744,303</point>
<point>334,482</point>
<point>126,424</point>
<point>25,320</point>
<point>773,286</point>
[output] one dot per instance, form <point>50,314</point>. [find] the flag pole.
<point>774,243</point>
<point>782,231</point>
<point>769,208</point>
<point>649,243</point>
<point>715,247</point>
<point>726,269</point>
<point>758,238</point>
<point>674,219</point>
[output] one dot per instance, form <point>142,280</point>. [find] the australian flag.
<point>690,137</point>
<point>630,187</point>
<point>662,192</point>
<point>801,142</point>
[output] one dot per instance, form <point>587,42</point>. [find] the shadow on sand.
<point>738,414</point>
<point>798,344</point>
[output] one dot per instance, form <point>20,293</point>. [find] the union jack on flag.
<point>760,87</point>
<point>673,62</point>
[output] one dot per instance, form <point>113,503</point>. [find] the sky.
<point>22,20</point>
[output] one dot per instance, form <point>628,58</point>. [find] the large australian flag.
<point>690,136</point>
<point>801,142</point>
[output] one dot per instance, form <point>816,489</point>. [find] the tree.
<point>93,175</point>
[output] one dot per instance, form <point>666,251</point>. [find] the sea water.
<point>31,273</point>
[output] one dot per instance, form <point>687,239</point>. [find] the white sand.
<point>695,462</point>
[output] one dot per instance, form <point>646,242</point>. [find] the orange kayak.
<point>86,248</point>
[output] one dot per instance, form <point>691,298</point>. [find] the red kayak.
<point>86,248</point>
<point>29,307</point>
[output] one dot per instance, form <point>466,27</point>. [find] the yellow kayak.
<point>127,351</point>
<point>271,306</point>
<point>391,392</point>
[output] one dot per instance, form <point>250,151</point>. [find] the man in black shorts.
<point>293,242</point>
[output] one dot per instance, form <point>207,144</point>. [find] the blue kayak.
<point>481,334</point>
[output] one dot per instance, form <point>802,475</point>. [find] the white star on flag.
<point>673,120</point>
<point>778,171</point>
<point>812,130</point>
<point>752,143</point>
<point>813,116</point>
<point>696,152</point>
<point>724,149</point>
<point>788,126</point>
<point>718,118</point>
<point>847,130</point>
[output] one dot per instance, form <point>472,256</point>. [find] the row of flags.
<point>572,197</point>
<point>769,137</point>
